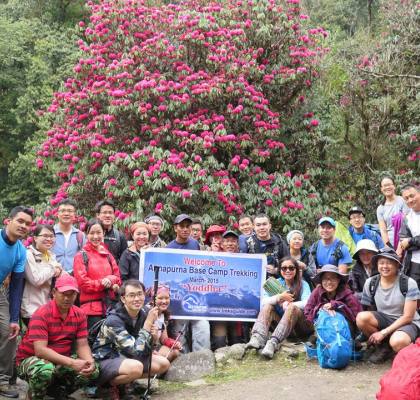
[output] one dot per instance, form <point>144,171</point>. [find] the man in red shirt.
<point>45,353</point>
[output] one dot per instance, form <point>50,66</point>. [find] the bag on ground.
<point>334,342</point>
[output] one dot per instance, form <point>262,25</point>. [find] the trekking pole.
<point>145,396</point>
<point>180,333</point>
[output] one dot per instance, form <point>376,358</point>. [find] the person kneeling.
<point>44,355</point>
<point>395,323</point>
<point>285,308</point>
<point>124,343</point>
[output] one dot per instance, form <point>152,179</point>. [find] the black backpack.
<point>374,283</point>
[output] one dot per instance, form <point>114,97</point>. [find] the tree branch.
<point>381,75</point>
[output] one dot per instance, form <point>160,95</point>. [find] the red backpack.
<point>402,381</point>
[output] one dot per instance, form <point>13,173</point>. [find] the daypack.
<point>334,342</point>
<point>94,331</point>
<point>374,283</point>
<point>337,253</point>
<point>402,381</point>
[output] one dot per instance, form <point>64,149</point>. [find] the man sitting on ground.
<point>44,355</point>
<point>124,344</point>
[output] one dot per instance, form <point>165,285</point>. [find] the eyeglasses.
<point>132,296</point>
<point>288,268</point>
<point>51,237</point>
<point>66,211</point>
<point>356,217</point>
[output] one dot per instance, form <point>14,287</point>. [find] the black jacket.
<point>129,265</point>
<point>414,244</point>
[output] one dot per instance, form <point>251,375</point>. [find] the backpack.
<point>402,381</point>
<point>334,342</point>
<point>94,331</point>
<point>337,253</point>
<point>79,239</point>
<point>374,283</point>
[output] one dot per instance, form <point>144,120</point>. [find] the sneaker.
<point>382,353</point>
<point>9,392</point>
<point>271,347</point>
<point>256,342</point>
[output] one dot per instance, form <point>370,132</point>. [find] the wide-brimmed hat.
<point>329,268</point>
<point>212,230</point>
<point>386,252</point>
<point>365,244</point>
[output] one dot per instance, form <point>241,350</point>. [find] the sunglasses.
<point>288,268</point>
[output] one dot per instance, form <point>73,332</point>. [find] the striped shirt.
<point>47,325</point>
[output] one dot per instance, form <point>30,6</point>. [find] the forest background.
<point>364,100</point>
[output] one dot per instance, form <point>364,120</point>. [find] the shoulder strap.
<point>404,284</point>
<point>79,239</point>
<point>85,259</point>
<point>312,250</point>
<point>373,285</point>
<point>337,253</point>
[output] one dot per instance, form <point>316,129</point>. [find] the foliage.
<point>187,108</point>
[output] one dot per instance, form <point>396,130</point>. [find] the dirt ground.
<point>359,381</point>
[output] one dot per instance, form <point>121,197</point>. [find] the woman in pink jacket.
<point>97,274</point>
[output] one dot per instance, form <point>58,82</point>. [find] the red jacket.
<point>101,264</point>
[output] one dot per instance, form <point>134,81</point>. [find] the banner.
<point>208,285</point>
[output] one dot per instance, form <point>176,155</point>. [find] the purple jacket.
<point>345,299</point>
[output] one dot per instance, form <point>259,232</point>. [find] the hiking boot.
<point>271,347</point>
<point>382,353</point>
<point>256,342</point>
<point>7,391</point>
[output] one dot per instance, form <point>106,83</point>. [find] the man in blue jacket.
<point>359,230</point>
<point>12,262</point>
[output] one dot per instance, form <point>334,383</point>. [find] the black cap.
<point>182,217</point>
<point>356,210</point>
<point>230,233</point>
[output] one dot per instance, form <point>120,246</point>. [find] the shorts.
<point>110,367</point>
<point>385,320</point>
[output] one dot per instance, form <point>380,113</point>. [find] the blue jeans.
<point>7,346</point>
<point>196,335</point>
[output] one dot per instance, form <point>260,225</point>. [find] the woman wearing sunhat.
<point>213,237</point>
<point>363,269</point>
<point>332,295</point>
<point>392,321</point>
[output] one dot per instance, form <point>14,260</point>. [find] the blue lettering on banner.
<point>208,285</point>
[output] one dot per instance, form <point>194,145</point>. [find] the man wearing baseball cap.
<point>182,228</point>
<point>329,249</point>
<point>45,353</point>
<point>359,230</point>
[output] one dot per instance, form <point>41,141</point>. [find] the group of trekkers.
<point>113,337</point>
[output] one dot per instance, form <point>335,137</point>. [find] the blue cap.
<point>327,219</point>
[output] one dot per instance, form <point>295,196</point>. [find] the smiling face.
<point>387,187</point>
<point>296,241</point>
<point>387,268</point>
<point>262,228</point>
<point>44,240</point>
<point>155,227</point>
<point>18,227</point>
<point>245,226</point>
<point>412,198</point>
<point>133,299</point>
<point>95,235</point>
<point>163,300</point>
<point>107,216</point>
<point>230,244</point>
<point>288,270</point>
<point>365,257</point>
<point>326,231</point>
<point>141,237</point>
<point>66,214</point>
<point>357,220</point>
<point>330,281</point>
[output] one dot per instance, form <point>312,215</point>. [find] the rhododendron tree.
<point>185,108</point>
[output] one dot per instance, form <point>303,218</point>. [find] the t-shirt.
<point>324,254</point>
<point>191,244</point>
<point>385,212</point>
<point>391,301</point>
<point>46,325</point>
<point>12,258</point>
<point>413,223</point>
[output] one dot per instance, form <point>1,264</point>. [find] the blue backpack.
<point>334,342</point>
